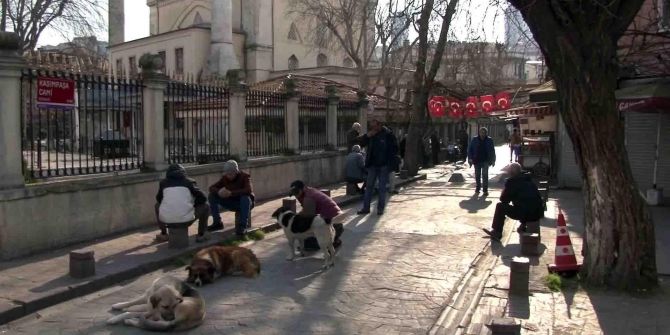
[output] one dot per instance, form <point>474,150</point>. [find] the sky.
<point>474,18</point>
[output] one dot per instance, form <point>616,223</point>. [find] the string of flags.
<point>472,107</point>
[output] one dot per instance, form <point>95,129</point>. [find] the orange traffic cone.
<point>565,260</point>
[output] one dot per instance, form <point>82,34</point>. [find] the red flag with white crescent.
<point>503,100</point>
<point>488,103</point>
<point>437,105</point>
<point>455,109</point>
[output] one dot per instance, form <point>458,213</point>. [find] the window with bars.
<point>132,65</point>
<point>119,67</point>
<point>321,60</point>
<point>293,62</point>
<point>161,54</point>
<point>664,14</point>
<point>293,33</point>
<point>179,61</point>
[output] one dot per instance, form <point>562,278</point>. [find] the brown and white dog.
<point>213,262</point>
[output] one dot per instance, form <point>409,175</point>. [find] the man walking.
<point>234,193</point>
<point>514,145</point>
<point>527,204</point>
<point>482,154</point>
<point>381,158</point>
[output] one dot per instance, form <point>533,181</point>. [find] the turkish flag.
<point>455,109</point>
<point>502,100</point>
<point>488,103</point>
<point>471,104</point>
<point>437,105</point>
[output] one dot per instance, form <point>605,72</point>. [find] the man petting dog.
<point>315,202</point>
<point>527,204</point>
<point>180,201</point>
<point>232,192</point>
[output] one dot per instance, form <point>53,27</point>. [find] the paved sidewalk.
<point>30,284</point>
<point>393,275</point>
<point>575,309</point>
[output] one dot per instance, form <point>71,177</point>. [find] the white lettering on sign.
<point>64,85</point>
<point>45,92</point>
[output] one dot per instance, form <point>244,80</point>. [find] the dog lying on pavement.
<point>169,304</point>
<point>299,228</point>
<point>211,263</point>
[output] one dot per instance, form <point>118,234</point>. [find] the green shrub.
<point>553,282</point>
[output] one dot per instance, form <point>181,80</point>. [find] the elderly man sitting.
<point>234,193</point>
<point>355,171</point>
<point>526,202</point>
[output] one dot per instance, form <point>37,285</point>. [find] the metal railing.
<point>101,131</point>
<point>265,123</point>
<point>312,120</point>
<point>196,123</point>
<point>347,114</point>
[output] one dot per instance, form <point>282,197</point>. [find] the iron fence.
<point>347,114</point>
<point>265,123</point>
<point>99,131</point>
<point>196,123</point>
<point>313,114</point>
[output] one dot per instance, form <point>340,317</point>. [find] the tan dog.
<point>169,304</point>
<point>213,262</point>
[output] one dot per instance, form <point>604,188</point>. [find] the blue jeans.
<point>482,172</point>
<point>241,205</point>
<point>379,174</point>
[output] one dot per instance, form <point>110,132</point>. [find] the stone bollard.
<point>533,227</point>
<point>177,237</point>
<point>505,326</point>
<point>82,263</point>
<point>456,177</point>
<point>530,244</point>
<point>519,276</point>
<point>352,189</point>
<point>290,203</point>
<point>404,174</point>
<point>326,192</point>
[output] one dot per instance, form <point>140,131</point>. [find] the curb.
<point>24,308</point>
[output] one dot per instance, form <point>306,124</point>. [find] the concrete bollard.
<point>352,189</point>
<point>326,192</point>
<point>177,237</point>
<point>505,326</point>
<point>533,227</point>
<point>519,276</point>
<point>290,203</point>
<point>530,244</point>
<point>82,263</point>
<point>456,177</point>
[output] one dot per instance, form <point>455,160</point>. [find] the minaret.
<point>222,53</point>
<point>116,22</point>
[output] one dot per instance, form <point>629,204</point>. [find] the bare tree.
<point>439,14</point>
<point>29,18</point>
<point>579,42</point>
<point>645,46</point>
<point>3,12</point>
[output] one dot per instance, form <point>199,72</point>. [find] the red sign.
<point>436,106</point>
<point>502,99</point>
<point>487,103</point>
<point>455,109</point>
<point>55,91</point>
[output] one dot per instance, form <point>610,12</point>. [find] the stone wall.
<point>54,214</point>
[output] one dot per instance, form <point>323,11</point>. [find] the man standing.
<point>381,158</point>
<point>482,154</point>
<point>527,204</point>
<point>234,193</point>
<point>352,136</point>
<point>514,145</point>
<point>315,202</point>
<point>355,172</point>
<point>180,201</point>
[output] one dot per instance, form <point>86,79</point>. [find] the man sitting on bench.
<point>527,204</point>
<point>232,192</point>
<point>180,201</point>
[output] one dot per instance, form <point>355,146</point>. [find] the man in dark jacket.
<point>180,201</point>
<point>482,154</point>
<point>463,142</point>
<point>526,202</point>
<point>381,158</point>
<point>352,136</point>
<point>234,193</point>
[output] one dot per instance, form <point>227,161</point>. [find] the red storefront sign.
<point>55,91</point>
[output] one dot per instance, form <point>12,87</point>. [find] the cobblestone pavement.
<point>575,309</point>
<point>393,275</point>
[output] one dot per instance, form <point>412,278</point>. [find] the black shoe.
<point>337,244</point>
<point>363,212</point>
<point>380,212</point>
<point>215,227</point>
<point>476,191</point>
<point>485,193</point>
<point>494,235</point>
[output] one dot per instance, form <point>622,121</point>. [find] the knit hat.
<point>230,167</point>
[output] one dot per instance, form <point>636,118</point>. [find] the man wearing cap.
<point>180,201</point>
<point>526,202</point>
<point>232,192</point>
<point>352,136</point>
<point>482,154</point>
<point>315,202</point>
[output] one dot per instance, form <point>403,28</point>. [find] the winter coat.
<point>523,194</point>
<point>355,166</point>
<point>315,202</point>
<point>473,150</point>
<point>238,186</point>
<point>177,195</point>
<point>352,138</point>
<point>381,149</point>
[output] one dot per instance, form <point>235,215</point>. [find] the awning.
<point>530,111</point>
<point>543,93</point>
<point>644,98</point>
